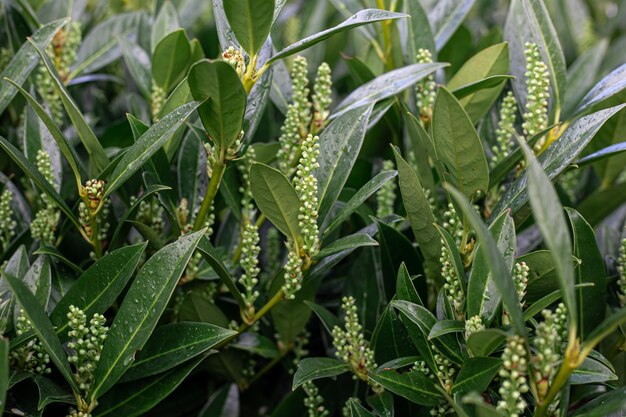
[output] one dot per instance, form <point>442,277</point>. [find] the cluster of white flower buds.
<point>94,207</point>
<point>386,195</point>
<point>250,250</point>
<point>520,279</point>
<point>445,369</point>
<point>549,337</point>
<point>7,222</point>
<point>32,356</point>
<point>538,93</point>
<point>150,212</point>
<point>513,377</point>
<point>313,401</point>
<point>157,99</point>
<point>247,207</point>
<point>300,121</point>
<point>453,224</point>
<point>425,90</point>
<point>86,341</point>
<point>305,184</point>
<point>621,269</point>
<point>452,286</point>
<point>473,325</point>
<point>62,52</point>
<point>44,225</point>
<point>505,132</point>
<point>235,58</point>
<point>350,343</point>
<point>293,272</point>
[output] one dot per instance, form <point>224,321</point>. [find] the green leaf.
<point>142,307</point>
<point>500,272</point>
<point>356,409</point>
<point>446,17</point>
<point>419,213</point>
<point>139,65</point>
<point>310,369</point>
<point>476,374</point>
<point>458,146</point>
<point>421,34</point>
<point>42,327</point>
<point>382,403</point>
<point>340,144</point>
<point>171,59</point>
<point>55,132</point>
<point>361,18</point>
<point>548,214</point>
<point>607,152</point>
<point>356,240</point>
<point>483,84</point>
<point>359,198</point>
<point>557,157</point>
<point>4,372</point>
<point>99,48</point>
<point>589,62</point>
<point>98,287</point>
<point>256,344</point>
<point>147,145</point>
<point>50,392</point>
<point>482,297</point>
<point>608,326</point>
<point>25,60</point>
<point>485,342</point>
<point>529,21</point>
<point>384,86</point>
<point>607,87</point>
<point>413,385</point>
<point>488,63</point>
<point>592,371</point>
<point>390,338</point>
<point>276,198</point>
<point>405,290</point>
<point>604,405</point>
<point>33,173</point>
<point>251,21</point>
<point>172,344</point>
<point>137,397</point>
<point>218,86</point>
<point>88,138</point>
<point>167,20</point>
<point>181,95</point>
<point>39,280</point>
<point>328,319</point>
<point>443,327</point>
<point>207,251</point>
<point>425,320</point>
<point>591,301</point>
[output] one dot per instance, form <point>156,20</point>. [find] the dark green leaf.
<point>139,313</point>
<point>218,86</point>
<point>356,240</point>
<point>357,410</point>
<point>251,21</point>
<point>485,342</point>
<point>276,198</point>
<point>139,65</point>
<point>605,405</point>
<point>50,392</point>
<point>310,369</point>
<point>328,319</point>
<point>607,87</point>
<point>443,327</point>
<point>340,144</point>
<point>172,344</point>
<point>147,145</point>
<point>592,371</point>
<point>98,287</point>
<point>4,371</point>
<point>607,152</point>
<point>413,385</point>
<point>446,17</point>
<point>476,374</point>
<point>171,59</point>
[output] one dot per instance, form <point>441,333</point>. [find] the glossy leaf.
<point>147,145</point>
<point>218,86</point>
<point>340,144</point>
<point>139,313</point>
<point>171,59</point>
<point>607,152</point>
<point>359,198</point>
<point>139,65</point>
<point>500,272</point>
<point>588,62</point>
<point>250,21</point>
<point>413,385</point>
<point>25,60</point>
<point>476,374</point>
<point>99,48</point>
<point>419,212</point>
<point>361,18</point>
<point>488,63</point>
<point>276,198</point>
<point>384,86</point>
<point>446,17</point>
<point>98,287</point>
<point>604,405</point>
<point>50,392</point>
<point>328,320</point>
<point>607,87</point>
<point>485,342</point>
<point>173,344</point>
<point>137,397</point>
<point>310,369</point>
<point>548,214</point>
<point>421,33</point>
<point>356,409</point>
<point>356,240</point>
<point>443,327</point>
<point>458,146</point>
<point>42,327</point>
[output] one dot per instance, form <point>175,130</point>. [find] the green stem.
<point>214,184</point>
